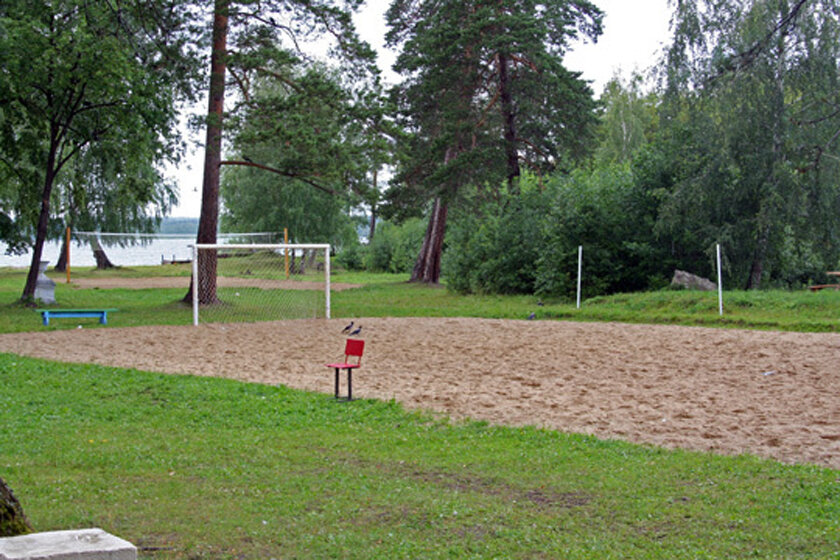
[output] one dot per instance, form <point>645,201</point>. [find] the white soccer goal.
<point>260,282</point>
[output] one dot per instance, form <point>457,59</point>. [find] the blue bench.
<point>102,314</point>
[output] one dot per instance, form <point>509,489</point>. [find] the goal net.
<point>114,249</point>
<point>260,282</point>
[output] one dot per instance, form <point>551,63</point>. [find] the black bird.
<point>348,327</point>
<point>246,158</point>
<point>540,303</point>
<point>357,331</point>
<point>532,316</point>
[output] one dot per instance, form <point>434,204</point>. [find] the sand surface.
<point>771,394</point>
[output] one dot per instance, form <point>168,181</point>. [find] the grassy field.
<point>391,295</point>
<point>190,467</point>
<point>193,468</point>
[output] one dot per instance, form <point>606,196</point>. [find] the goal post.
<point>254,283</point>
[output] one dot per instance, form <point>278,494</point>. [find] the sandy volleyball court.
<point>767,393</point>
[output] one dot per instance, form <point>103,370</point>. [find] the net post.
<point>720,283</point>
<point>286,252</point>
<point>580,270</point>
<point>327,273</point>
<point>195,284</point>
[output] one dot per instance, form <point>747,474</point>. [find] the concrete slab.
<point>79,544</point>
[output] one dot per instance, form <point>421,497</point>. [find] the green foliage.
<point>395,247</point>
<point>751,90</point>
<point>306,137</point>
<point>89,94</point>
<point>485,93</point>
<point>629,120</point>
<point>528,242</point>
<point>494,246</point>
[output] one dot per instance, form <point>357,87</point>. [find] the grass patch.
<point>189,467</point>
<point>390,295</point>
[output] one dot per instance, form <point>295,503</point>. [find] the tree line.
<point>503,153</point>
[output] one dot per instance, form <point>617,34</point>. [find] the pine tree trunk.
<point>209,221</point>
<point>508,117</point>
<point>427,265</point>
<point>373,209</point>
<point>757,266</point>
<point>12,519</point>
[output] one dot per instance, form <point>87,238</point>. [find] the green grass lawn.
<point>191,467</point>
<point>391,295</point>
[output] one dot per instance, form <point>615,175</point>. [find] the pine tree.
<point>485,93</point>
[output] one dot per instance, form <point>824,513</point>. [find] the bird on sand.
<point>348,328</point>
<point>356,331</point>
<point>532,316</point>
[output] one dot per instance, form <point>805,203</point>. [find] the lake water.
<point>82,255</point>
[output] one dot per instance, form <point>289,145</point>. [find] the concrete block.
<point>80,544</point>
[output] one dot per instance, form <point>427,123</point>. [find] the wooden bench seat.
<point>102,314</point>
<point>819,287</point>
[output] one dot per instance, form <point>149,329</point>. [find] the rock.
<point>12,519</point>
<point>691,281</point>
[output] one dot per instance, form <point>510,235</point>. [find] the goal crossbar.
<point>259,247</point>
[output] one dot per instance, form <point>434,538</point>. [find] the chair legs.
<point>349,384</point>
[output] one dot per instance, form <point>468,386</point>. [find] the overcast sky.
<point>634,34</point>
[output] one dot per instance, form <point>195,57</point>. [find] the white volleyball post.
<point>720,283</point>
<point>580,270</point>
<point>195,284</point>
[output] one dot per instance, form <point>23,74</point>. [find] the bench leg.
<point>349,384</point>
<point>336,382</point>
<point>46,319</point>
<point>103,319</point>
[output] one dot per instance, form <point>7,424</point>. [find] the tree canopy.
<point>91,81</point>
<point>485,92</point>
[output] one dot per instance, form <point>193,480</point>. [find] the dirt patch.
<point>223,282</point>
<point>771,394</point>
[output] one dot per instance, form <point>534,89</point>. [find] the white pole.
<point>327,271</point>
<point>720,283</point>
<point>195,283</point>
<point>580,270</point>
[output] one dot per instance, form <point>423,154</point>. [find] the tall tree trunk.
<point>757,267</point>
<point>28,295</point>
<point>61,265</point>
<point>427,265</point>
<point>509,119</point>
<point>12,519</point>
<point>209,221</point>
<point>99,255</point>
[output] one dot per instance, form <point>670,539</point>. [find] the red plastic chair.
<point>353,349</point>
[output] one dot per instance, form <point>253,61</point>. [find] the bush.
<point>527,242</point>
<point>394,248</point>
<point>494,245</point>
<point>351,257</point>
